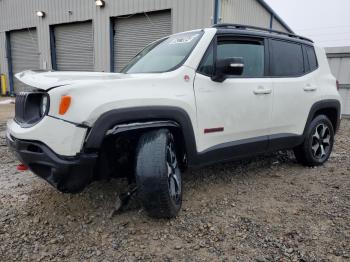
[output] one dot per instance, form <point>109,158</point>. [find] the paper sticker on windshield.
<point>183,39</point>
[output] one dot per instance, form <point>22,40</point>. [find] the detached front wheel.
<point>158,175</point>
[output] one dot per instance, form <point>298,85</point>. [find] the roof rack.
<point>248,27</point>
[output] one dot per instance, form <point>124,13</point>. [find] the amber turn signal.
<point>64,104</point>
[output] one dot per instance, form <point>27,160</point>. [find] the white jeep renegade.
<point>190,99</point>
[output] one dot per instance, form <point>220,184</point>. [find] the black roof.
<point>254,30</point>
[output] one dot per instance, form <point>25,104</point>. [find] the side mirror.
<point>233,66</point>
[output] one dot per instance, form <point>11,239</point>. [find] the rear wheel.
<point>318,143</point>
<point>158,175</point>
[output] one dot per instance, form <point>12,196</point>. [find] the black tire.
<point>318,143</point>
<point>158,176</point>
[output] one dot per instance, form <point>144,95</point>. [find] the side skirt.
<point>284,141</point>
<point>246,148</point>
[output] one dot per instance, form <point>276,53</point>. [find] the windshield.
<point>164,55</point>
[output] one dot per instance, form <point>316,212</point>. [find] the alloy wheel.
<point>174,179</point>
<point>321,141</point>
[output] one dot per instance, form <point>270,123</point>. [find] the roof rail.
<point>248,27</point>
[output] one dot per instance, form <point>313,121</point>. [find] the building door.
<point>24,55</point>
<point>73,47</point>
<point>133,33</point>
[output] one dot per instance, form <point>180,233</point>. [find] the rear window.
<point>286,59</point>
<point>311,56</point>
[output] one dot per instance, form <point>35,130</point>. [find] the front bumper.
<point>62,137</point>
<point>67,174</point>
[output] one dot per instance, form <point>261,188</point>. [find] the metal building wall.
<point>186,15</point>
<point>131,34</point>
<point>339,62</point>
<point>24,54</point>
<point>19,14</point>
<point>74,46</point>
<point>3,59</point>
<point>276,25</point>
<point>248,12</point>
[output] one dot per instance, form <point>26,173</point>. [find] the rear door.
<point>238,110</point>
<point>295,86</point>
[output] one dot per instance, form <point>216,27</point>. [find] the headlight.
<point>44,105</point>
<point>31,107</point>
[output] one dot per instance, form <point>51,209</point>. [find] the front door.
<point>237,111</point>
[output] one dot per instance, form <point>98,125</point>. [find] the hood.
<point>46,80</point>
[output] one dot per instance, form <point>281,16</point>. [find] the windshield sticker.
<point>183,39</point>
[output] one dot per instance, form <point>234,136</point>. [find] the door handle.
<point>310,88</point>
<point>262,91</point>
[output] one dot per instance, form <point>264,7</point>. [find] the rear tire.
<point>318,143</point>
<point>158,176</point>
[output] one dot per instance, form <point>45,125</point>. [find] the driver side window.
<point>252,52</point>
<point>206,67</point>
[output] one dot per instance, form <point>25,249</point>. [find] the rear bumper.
<point>67,174</point>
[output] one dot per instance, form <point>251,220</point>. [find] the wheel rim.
<point>321,141</point>
<point>174,179</point>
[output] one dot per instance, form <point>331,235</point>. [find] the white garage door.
<point>133,33</point>
<point>74,47</point>
<point>24,55</point>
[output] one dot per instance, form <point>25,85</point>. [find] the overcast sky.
<point>327,22</point>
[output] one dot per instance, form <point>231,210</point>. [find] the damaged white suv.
<point>191,99</point>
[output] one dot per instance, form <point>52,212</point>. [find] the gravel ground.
<point>263,209</point>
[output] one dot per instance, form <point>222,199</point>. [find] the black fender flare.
<point>154,116</point>
<point>324,104</point>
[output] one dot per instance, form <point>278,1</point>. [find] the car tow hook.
<point>122,201</point>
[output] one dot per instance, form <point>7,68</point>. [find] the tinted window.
<point>206,67</point>
<point>286,59</point>
<point>311,56</point>
<point>252,53</point>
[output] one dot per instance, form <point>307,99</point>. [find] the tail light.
<point>338,85</point>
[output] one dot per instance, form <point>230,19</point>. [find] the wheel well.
<point>331,113</point>
<point>180,145</point>
<point>117,152</point>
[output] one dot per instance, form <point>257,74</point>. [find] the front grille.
<point>27,108</point>
<point>20,106</point>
